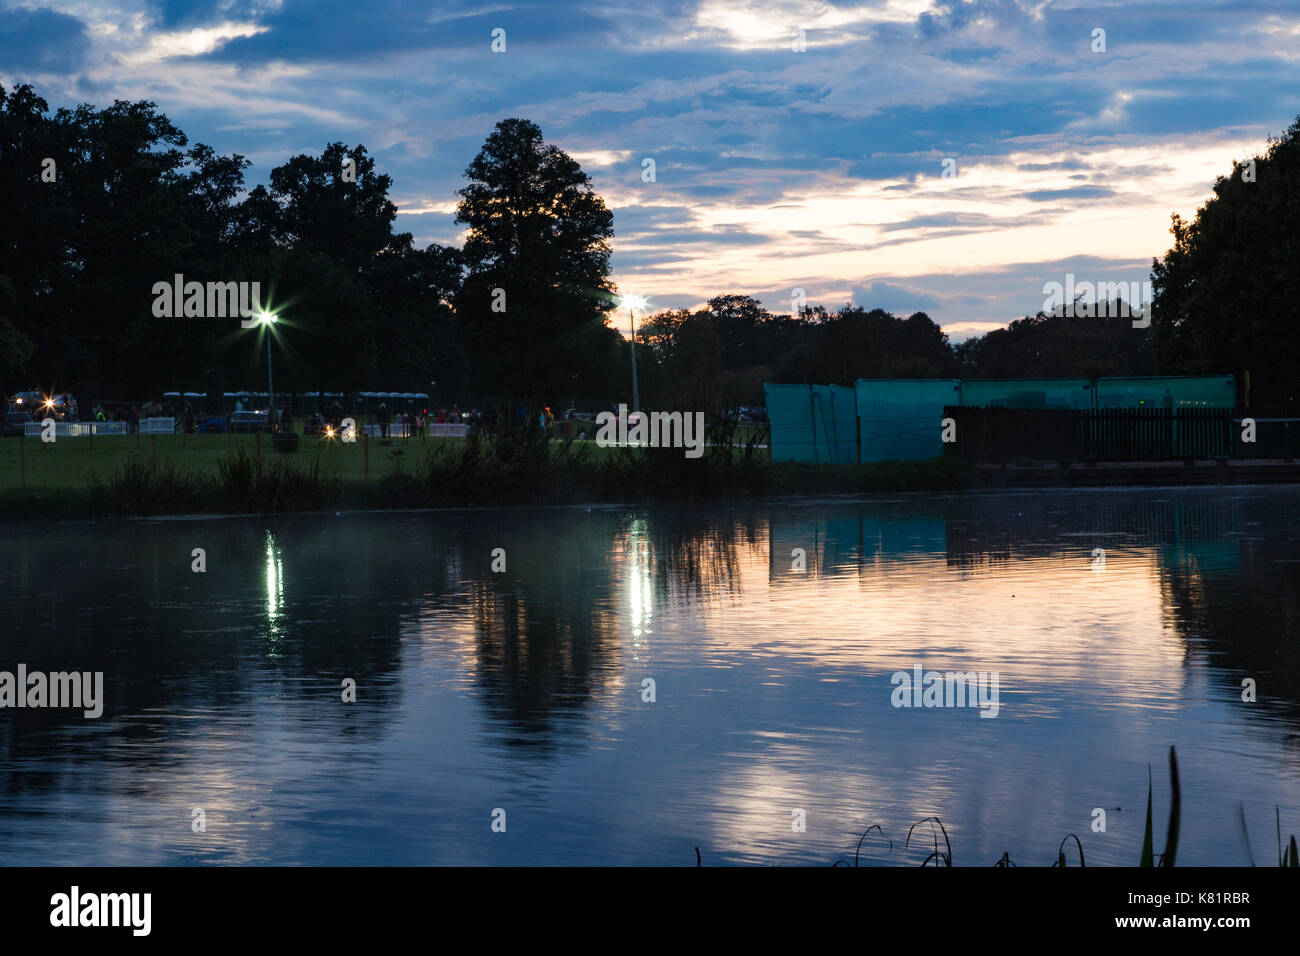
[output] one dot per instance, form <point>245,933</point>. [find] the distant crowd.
<point>406,423</point>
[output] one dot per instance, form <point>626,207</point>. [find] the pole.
<point>270,386</point>
<point>22,459</point>
<point>636,392</point>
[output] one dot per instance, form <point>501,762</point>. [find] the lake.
<point>1116,623</point>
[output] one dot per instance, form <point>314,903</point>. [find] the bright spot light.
<point>329,432</point>
<point>266,317</point>
<point>634,302</point>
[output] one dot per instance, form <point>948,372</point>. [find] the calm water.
<point>522,690</point>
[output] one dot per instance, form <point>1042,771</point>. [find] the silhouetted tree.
<point>540,235</point>
<point>1227,295</point>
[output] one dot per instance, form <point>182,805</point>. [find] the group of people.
<point>413,424</point>
<point>409,424</point>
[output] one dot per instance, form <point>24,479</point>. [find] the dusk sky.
<point>775,169</point>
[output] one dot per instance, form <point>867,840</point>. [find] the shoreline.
<point>756,482</point>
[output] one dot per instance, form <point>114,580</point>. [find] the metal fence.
<point>76,429</point>
<point>433,429</point>
<point>1119,434</point>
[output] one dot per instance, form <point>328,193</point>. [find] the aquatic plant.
<point>1287,855</point>
<point>1060,850</point>
<point>944,857</point>
<point>874,826</point>
<point>1175,816</point>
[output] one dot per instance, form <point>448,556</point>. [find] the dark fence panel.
<point>1118,434</point>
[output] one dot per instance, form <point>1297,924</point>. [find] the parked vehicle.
<point>248,422</point>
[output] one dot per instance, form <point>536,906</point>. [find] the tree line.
<point>101,204</point>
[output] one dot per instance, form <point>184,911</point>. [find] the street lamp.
<point>632,303</point>
<point>267,319</point>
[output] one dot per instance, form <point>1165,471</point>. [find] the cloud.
<point>774,169</point>
<point>898,299</point>
<point>41,40</point>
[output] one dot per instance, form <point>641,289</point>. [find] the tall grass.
<point>243,482</point>
<point>139,487</point>
<point>249,482</point>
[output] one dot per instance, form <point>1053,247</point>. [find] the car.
<point>244,422</point>
<point>15,423</point>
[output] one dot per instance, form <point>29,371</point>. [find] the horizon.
<point>821,170</point>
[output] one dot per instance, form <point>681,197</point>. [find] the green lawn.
<point>65,464</point>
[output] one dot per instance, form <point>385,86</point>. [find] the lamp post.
<point>268,319</point>
<point>634,302</point>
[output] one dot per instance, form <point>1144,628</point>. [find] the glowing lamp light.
<point>266,318</point>
<point>634,302</point>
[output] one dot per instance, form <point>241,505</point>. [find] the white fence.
<point>432,429</point>
<point>157,426</point>
<point>76,429</point>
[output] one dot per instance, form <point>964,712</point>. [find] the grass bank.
<point>169,474</point>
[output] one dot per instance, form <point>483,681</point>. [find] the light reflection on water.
<point>523,689</point>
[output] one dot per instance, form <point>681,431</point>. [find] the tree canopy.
<point>102,204</point>
<point>537,284</point>
<point>1227,295</point>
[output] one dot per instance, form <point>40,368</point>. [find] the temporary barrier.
<point>834,425</point>
<point>1028,392</point>
<point>434,430</point>
<point>395,430</point>
<point>157,426</point>
<point>899,419</point>
<point>76,429</point>
<point>789,415</point>
<point>446,430</point>
<point>1100,434</point>
<point>1187,391</point>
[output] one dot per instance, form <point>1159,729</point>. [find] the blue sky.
<point>774,169</point>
